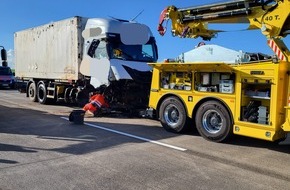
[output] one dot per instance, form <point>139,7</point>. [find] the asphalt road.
<point>41,149</point>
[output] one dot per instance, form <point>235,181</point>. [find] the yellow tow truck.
<point>221,99</point>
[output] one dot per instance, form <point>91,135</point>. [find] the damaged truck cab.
<point>116,55</point>
<point>71,58</point>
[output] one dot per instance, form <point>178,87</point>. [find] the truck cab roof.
<point>140,33</point>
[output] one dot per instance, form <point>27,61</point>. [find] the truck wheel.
<point>32,94</point>
<point>213,121</point>
<point>41,93</point>
<point>66,94</point>
<point>73,95</point>
<point>172,115</point>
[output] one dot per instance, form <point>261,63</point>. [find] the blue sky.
<point>22,14</point>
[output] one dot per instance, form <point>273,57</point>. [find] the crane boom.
<point>271,16</point>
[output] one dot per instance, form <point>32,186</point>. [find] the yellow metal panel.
<point>217,66</point>
<point>154,93</point>
<point>257,131</point>
<point>286,125</point>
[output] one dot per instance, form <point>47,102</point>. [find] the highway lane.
<point>40,149</point>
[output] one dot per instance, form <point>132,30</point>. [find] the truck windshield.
<point>98,49</point>
<point>5,71</point>
<point>142,53</point>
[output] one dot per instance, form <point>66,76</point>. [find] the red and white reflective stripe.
<point>96,103</point>
<point>276,50</point>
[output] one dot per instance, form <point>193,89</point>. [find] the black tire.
<point>67,94</point>
<point>32,93</point>
<point>41,93</point>
<point>213,122</point>
<point>173,116</point>
<point>73,95</point>
<point>82,98</point>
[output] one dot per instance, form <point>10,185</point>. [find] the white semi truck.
<point>68,59</point>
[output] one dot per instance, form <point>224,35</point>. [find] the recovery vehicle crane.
<point>221,99</point>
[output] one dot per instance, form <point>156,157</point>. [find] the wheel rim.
<point>171,115</point>
<point>41,93</point>
<point>212,121</point>
<point>31,91</point>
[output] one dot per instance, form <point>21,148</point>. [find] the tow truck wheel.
<point>32,94</point>
<point>41,93</point>
<point>172,115</point>
<point>213,121</point>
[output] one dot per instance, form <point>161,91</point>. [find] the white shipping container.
<point>51,51</point>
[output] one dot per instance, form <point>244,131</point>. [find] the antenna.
<point>137,15</point>
<point>118,19</point>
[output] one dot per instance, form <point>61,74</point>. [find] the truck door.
<point>95,63</point>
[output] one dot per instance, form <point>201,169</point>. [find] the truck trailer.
<point>68,59</point>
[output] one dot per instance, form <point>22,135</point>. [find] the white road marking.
<point>133,136</point>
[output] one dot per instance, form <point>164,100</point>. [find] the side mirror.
<point>4,57</point>
<point>3,54</point>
